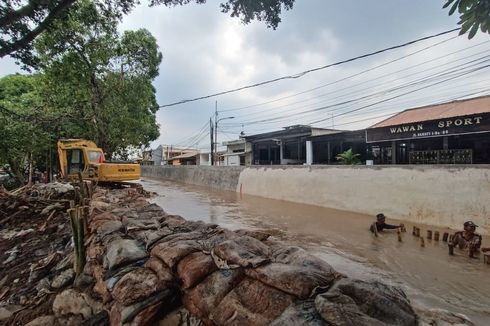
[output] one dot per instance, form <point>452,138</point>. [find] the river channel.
<point>430,277</point>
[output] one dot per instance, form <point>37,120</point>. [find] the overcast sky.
<point>206,51</point>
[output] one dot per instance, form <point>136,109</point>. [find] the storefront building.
<point>325,148</point>
<point>287,146</point>
<point>457,132</point>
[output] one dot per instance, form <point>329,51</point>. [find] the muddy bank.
<point>145,266</point>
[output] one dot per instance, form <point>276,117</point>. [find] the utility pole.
<point>216,133</point>
<point>212,142</point>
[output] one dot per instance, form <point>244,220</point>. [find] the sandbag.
<point>259,235</point>
<point>205,296</point>
<point>150,237</point>
<point>218,236</point>
<point>173,251</point>
<point>244,251</point>
<point>194,268</point>
<point>300,313</point>
<point>162,271</point>
<point>136,285</point>
<point>121,252</point>
<point>365,301</point>
<point>251,303</point>
<point>296,280</point>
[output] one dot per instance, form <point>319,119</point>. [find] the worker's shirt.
<point>382,226</point>
<point>464,242</point>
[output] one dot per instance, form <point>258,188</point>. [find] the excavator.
<point>83,156</point>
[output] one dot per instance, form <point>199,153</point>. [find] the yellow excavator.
<point>83,156</point>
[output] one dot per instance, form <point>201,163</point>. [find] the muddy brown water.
<point>430,277</point>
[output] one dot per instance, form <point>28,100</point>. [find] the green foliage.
<point>100,81</point>
<point>348,158</point>
<point>22,21</point>
<point>23,122</point>
<point>474,15</point>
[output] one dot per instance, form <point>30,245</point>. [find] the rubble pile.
<point>35,253</point>
<point>146,267</point>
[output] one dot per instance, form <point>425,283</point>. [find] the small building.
<point>188,158</point>
<point>457,132</point>
<point>286,146</point>
<point>169,152</point>
<point>204,158</point>
<point>238,152</point>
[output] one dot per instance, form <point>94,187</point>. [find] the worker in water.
<point>468,238</point>
<point>380,224</point>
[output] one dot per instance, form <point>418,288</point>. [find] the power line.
<point>350,87</point>
<point>350,76</point>
<point>303,73</point>
<point>375,94</point>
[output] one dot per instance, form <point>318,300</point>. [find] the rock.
<point>244,251</point>
<point>121,252</point>
<point>64,263</point>
<point>72,302</point>
<point>136,285</point>
<point>65,278</point>
<point>49,320</point>
<point>43,284</point>
<point>355,302</point>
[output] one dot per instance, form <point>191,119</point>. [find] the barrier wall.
<point>444,196</point>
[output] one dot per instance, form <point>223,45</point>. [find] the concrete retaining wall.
<point>225,178</point>
<point>444,196</point>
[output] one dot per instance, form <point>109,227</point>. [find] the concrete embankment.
<point>443,196</point>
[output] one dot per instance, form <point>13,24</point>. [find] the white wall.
<point>442,196</point>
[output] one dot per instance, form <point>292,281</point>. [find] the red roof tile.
<point>439,111</point>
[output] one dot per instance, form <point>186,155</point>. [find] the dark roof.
<point>287,132</point>
<point>439,111</point>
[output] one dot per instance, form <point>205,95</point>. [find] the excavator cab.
<point>83,156</point>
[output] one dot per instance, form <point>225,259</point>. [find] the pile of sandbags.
<point>145,262</point>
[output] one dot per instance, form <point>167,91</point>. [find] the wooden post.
<point>399,232</point>
<point>78,232</point>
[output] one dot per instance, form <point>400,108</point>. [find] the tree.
<point>474,15</point>
<point>23,138</point>
<point>99,82</point>
<point>348,158</point>
<point>22,21</point>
